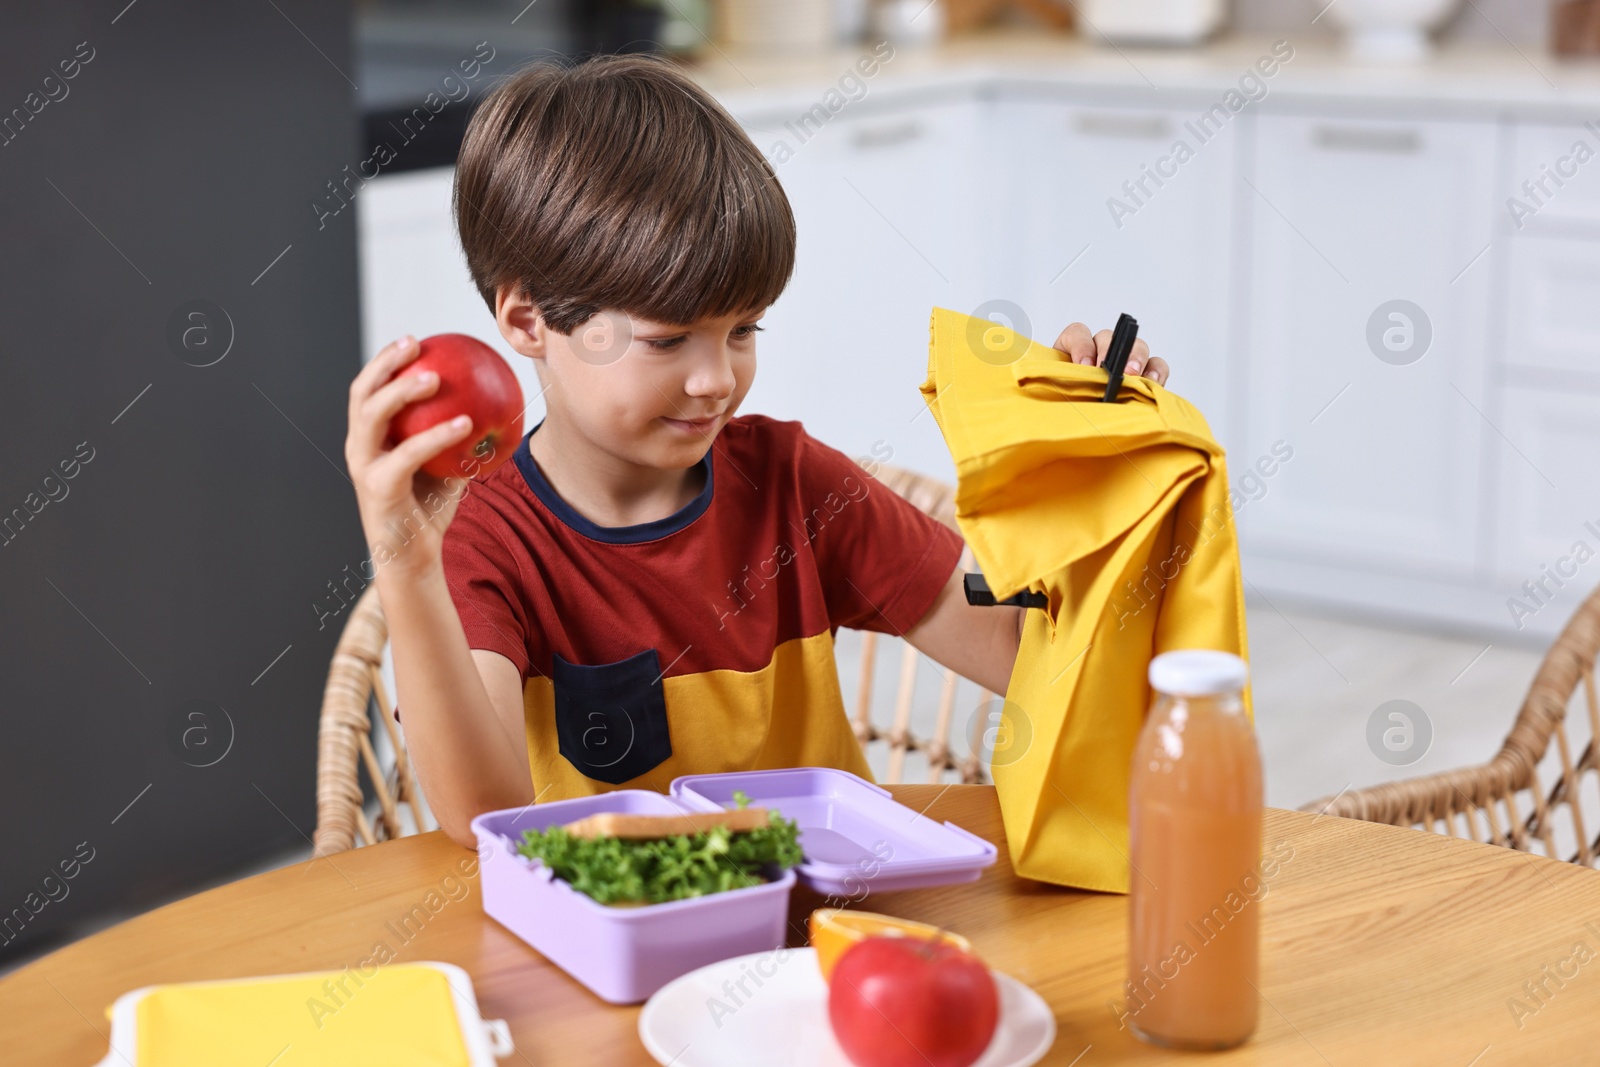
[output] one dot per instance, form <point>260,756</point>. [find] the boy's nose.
<point>712,377</point>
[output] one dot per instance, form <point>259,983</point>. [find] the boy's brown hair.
<point>619,183</point>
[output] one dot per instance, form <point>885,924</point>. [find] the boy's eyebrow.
<point>662,329</point>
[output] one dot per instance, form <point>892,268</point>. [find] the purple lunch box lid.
<point>856,837</point>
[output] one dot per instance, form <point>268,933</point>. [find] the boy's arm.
<point>463,707</point>
<point>469,756</point>
<point>979,643</point>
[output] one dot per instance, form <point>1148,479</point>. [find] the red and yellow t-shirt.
<point>700,642</point>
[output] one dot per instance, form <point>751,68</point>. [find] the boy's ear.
<point>519,321</point>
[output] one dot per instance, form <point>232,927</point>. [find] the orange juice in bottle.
<point>1194,820</point>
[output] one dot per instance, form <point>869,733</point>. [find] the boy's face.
<point>650,393</point>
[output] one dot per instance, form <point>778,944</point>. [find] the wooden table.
<point>1379,946</point>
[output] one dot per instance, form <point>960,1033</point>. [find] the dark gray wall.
<point>209,506</point>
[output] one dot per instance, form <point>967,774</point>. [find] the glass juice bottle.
<point>1194,815</point>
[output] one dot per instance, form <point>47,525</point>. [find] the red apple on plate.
<point>473,381</point>
<point>910,1002</point>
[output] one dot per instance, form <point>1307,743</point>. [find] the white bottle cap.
<point>1198,672</point>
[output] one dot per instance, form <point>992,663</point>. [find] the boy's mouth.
<point>694,426</point>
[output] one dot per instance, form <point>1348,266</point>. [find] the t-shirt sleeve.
<point>882,560</point>
<point>485,584</point>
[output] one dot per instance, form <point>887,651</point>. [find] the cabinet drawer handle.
<point>884,136</point>
<point>1112,124</point>
<point>1367,139</point>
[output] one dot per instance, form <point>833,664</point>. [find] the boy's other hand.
<point>1081,346</point>
<point>403,509</point>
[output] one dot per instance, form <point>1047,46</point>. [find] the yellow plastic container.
<point>422,1014</point>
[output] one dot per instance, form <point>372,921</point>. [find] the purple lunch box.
<point>855,837</point>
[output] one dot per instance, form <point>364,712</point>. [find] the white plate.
<point>703,1020</point>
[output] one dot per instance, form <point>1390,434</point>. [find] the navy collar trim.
<point>613,535</point>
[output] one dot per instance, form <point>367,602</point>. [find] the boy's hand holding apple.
<point>409,461</point>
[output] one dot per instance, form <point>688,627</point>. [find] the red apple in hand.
<point>909,1002</point>
<point>473,381</point>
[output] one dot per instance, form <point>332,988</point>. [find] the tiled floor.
<point>1317,681</point>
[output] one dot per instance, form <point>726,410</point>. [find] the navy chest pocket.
<point>611,719</point>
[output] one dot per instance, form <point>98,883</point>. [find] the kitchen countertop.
<point>1473,78</point>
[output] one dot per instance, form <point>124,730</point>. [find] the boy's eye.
<point>667,344</point>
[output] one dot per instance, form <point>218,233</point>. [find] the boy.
<point>650,586</point>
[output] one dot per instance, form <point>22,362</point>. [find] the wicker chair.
<point>344,737</point>
<point>355,683</point>
<point>1504,801</point>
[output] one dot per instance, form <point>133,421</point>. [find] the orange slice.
<point>835,929</point>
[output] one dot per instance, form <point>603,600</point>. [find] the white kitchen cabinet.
<point>1548,492</point>
<point>891,223</point>
<point>1554,316</point>
<point>1073,251</point>
<point>1553,183</point>
<point>1345,217</point>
